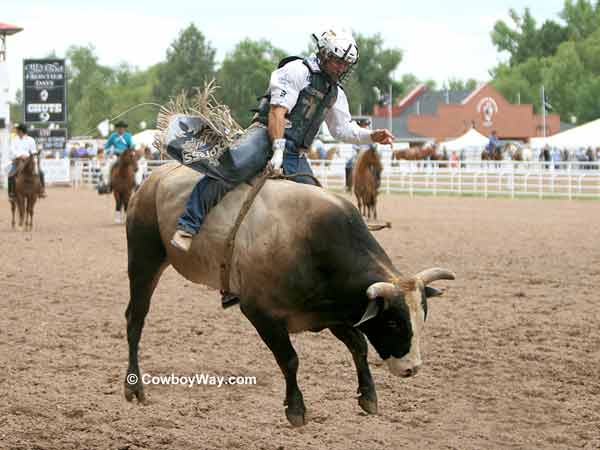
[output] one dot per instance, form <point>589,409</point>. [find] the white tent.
<point>470,139</point>
<point>472,142</point>
<point>145,138</point>
<point>586,135</point>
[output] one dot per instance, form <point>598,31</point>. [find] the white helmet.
<point>338,43</point>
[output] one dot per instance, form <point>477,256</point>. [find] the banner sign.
<point>56,170</point>
<point>47,139</point>
<point>45,90</point>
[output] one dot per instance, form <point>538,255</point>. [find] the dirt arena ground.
<point>512,351</point>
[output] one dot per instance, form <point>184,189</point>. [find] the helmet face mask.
<point>337,53</point>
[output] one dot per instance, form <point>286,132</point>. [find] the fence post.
<point>580,183</point>
<point>570,181</point>
<point>387,180</point>
<point>512,183</point>
<point>485,182</point>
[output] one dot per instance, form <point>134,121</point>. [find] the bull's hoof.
<point>368,403</point>
<point>134,390</point>
<point>295,417</point>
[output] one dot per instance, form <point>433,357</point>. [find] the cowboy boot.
<point>11,188</point>
<point>42,193</point>
<point>182,240</point>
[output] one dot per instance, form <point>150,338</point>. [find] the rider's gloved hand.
<point>277,158</point>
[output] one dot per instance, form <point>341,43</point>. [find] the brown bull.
<point>303,260</point>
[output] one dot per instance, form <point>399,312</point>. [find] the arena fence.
<point>478,178</point>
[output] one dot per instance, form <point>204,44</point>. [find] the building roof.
<point>419,101</point>
<point>8,29</point>
<point>399,128</point>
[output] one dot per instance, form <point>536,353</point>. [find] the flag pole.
<point>544,110</point>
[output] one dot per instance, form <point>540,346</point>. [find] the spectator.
<point>556,157</point>
<point>320,148</point>
<point>453,159</point>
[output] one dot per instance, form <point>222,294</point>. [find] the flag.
<point>104,127</point>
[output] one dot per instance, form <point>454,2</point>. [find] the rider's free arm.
<point>340,124</point>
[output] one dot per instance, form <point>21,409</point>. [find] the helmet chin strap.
<point>322,60</point>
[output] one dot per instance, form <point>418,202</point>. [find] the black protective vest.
<point>309,112</point>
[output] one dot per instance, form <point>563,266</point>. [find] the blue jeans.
<point>209,191</point>
<point>295,163</point>
<point>205,195</point>
<point>243,161</point>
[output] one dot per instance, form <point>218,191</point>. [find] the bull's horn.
<point>381,289</point>
<point>430,275</point>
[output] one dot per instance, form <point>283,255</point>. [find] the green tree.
<point>518,40</point>
<point>88,82</point>
<point>133,87</point>
<point>16,107</point>
<point>244,76</point>
<point>588,106</point>
<point>522,81</point>
<point>589,52</point>
<point>456,84</point>
<point>562,79</point>
<point>582,18</point>
<point>375,68</point>
<point>407,83</point>
<point>190,63</point>
<point>550,36</point>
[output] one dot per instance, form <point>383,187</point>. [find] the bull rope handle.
<point>267,174</point>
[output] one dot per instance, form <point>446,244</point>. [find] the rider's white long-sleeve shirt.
<point>285,86</point>
<point>24,146</point>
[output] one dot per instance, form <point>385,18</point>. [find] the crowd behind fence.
<point>480,178</point>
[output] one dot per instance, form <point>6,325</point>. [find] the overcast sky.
<point>439,39</point>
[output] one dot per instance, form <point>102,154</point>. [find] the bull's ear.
<point>432,292</point>
<point>370,312</point>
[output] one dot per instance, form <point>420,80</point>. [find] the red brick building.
<point>442,115</point>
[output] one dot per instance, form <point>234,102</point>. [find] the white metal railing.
<point>572,179</point>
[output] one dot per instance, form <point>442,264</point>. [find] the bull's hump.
<point>289,192</point>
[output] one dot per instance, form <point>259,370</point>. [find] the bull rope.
<point>268,174</point>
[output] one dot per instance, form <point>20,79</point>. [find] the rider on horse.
<point>492,144</point>
<point>22,147</point>
<point>119,141</point>
<point>362,122</point>
<point>302,93</point>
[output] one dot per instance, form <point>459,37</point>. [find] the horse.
<point>27,190</point>
<point>411,154</point>
<point>122,177</point>
<point>417,153</point>
<point>367,179</point>
<point>496,154</point>
<point>333,152</point>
